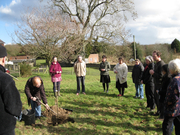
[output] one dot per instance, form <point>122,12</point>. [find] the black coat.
<point>157,73</point>
<point>147,77</point>
<point>10,102</point>
<point>137,73</point>
<point>165,82</point>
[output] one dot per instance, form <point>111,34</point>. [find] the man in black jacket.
<point>157,74</point>
<point>10,102</point>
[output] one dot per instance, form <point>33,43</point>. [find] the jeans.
<point>139,90</point>
<point>36,108</point>
<point>80,79</point>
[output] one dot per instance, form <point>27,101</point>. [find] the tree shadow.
<point>124,125</point>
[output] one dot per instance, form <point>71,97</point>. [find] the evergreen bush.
<point>25,69</point>
<point>175,45</point>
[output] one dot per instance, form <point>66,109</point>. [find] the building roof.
<point>20,58</point>
<point>93,55</point>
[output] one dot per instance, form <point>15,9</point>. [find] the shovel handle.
<point>45,105</point>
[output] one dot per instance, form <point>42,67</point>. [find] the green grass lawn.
<point>96,113</point>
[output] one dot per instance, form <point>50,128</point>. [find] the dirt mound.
<point>59,116</point>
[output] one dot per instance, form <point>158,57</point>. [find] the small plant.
<point>25,69</point>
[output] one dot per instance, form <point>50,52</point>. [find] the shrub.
<point>175,45</point>
<point>165,49</point>
<point>25,69</point>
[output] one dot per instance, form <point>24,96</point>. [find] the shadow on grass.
<point>125,125</point>
<point>74,131</point>
<point>85,108</point>
<point>94,93</point>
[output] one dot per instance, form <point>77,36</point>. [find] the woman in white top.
<point>121,71</point>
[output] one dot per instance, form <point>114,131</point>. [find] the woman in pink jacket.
<point>55,71</point>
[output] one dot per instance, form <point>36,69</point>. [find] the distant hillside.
<point>13,50</point>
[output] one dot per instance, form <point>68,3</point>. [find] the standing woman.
<point>172,100</point>
<point>137,73</point>
<point>104,68</point>
<point>55,71</point>
<point>147,79</point>
<point>121,71</point>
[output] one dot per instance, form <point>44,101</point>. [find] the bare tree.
<point>101,19</point>
<point>44,31</point>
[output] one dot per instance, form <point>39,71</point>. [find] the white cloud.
<point>13,3</point>
<point>5,10</point>
<point>157,22</point>
<point>13,11</point>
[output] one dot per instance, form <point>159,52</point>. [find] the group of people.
<point>162,86</point>
<point>120,70</point>
<point>161,89</point>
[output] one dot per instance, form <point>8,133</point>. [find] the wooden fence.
<point>14,69</point>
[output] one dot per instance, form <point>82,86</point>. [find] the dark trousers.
<point>167,125</point>
<point>149,90</point>
<point>11,132</point>
<point>80,79</point>
<point>156,97</point>
<point>121,91</point>
<point>56,86</point>
<point>161,109</point>
<point>107,86</point>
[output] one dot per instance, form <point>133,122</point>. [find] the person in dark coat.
<point>137,73</point>
<point>172,100</point>
<point>35,89</point>
<point>157,75</point>
<point>147,79</point>
<point>104,72</point>
<point>55,71</point>
<point>10,101</point>
<point>165,82</point>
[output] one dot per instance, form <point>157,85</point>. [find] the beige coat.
<point>80,68</point>
<point>122,70</point>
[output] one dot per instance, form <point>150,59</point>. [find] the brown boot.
<point>59,93</point>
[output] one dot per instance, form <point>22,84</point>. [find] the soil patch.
<point>61,116</point>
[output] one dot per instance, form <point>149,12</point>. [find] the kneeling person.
<point>35,88</point>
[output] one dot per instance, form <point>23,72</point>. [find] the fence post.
<point>46,70</point>
<point>72,71</point>
<point>19,70</point>
<point>88,70</point>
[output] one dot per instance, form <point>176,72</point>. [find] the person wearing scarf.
<point>147,79</point>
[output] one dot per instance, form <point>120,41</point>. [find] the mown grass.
<point>96,113</point>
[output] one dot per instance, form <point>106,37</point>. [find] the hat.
<point>3,52</point>
<point>149,58</point>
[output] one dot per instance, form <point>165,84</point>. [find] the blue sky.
<point>10,12</point>
<point>158,20</point>
<point>5,26</point>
